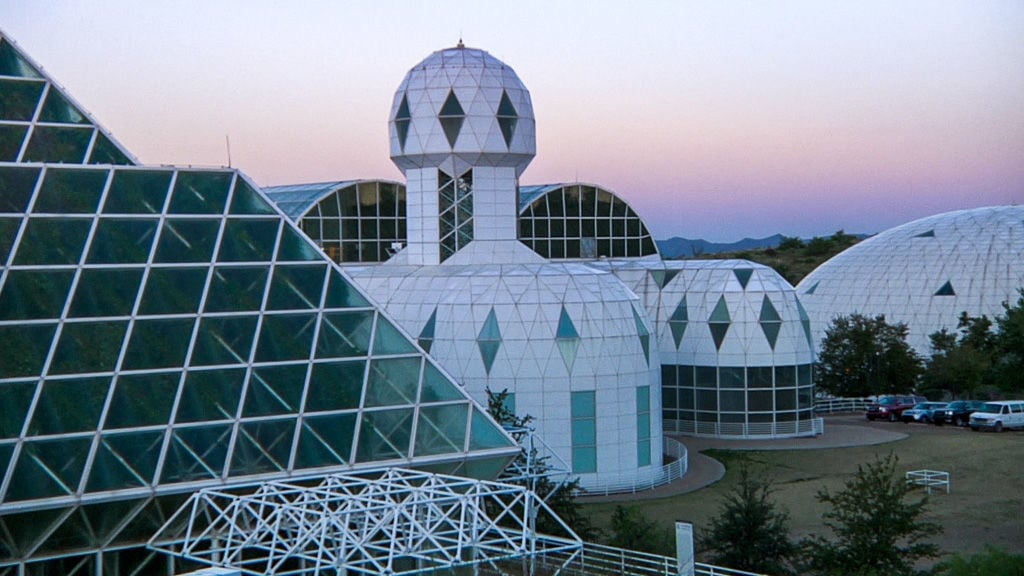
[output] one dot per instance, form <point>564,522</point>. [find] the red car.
<point>891,407</point>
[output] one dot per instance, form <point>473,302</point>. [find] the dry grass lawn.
<point>985,506</point>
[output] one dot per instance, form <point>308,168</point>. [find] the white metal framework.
<point>396,521</point>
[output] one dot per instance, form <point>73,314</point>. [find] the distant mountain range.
<point>684,247</point>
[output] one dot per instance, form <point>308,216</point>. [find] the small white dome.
<point>458,108</point>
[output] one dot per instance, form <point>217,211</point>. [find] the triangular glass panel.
<point>567,338</point>
<point>246,200</point>
<point>57,109</point>
<point>805,321</point>
<point>507,118</point>
<point>719,322</point>
<point>566,329</point>
<point>451,106</point>
<point>484,434</point>
<point>436,387</point>
<point>125,460</point>
<point>812,288</point>
<point>441,429</point>
<point>946,290</point>
<point>426,337</point>
<point>388,340</point>
<point>262,446</point>
<point>13,64</point>
<point>325,440</point>
<point>678,321</point>
<point>743,275</point>
<point>721,311</point>
<point>928,234</point>
<point>451,117</point>
<point>105,152</point>
<point>402,121</point>
<point>341,294</point>
<point>568,349</point>
<point>489,340</point>
<point>718,332</point>
<point>643,334</point>
<point>770,321</point>
<point>295,247</point>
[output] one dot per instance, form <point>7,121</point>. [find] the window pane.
<point>105,292</point>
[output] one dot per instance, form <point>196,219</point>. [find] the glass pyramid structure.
<point>164,330</point>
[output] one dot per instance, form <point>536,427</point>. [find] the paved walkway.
<point>841,430</point>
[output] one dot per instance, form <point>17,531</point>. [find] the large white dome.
<point>462,107</point>
<point>923,273</point>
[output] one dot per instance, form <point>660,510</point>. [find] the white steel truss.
<point>395,521</point>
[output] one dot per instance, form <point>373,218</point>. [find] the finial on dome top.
<point>460,44</point>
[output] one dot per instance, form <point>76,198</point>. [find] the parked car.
<point>999,415</point>
<point>922,412</point>
<point>957,412</point>
<point>891,407</point>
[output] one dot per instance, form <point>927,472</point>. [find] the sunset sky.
<point>714,119</point>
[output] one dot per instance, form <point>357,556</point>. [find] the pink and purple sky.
<point>715,120</point>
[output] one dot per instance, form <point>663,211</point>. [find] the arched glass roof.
<point>581,221</point>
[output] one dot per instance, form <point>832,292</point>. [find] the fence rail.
<point>600,560</point>
<point>833,405</point>
<point>747,430</point>
<point>674,470</point>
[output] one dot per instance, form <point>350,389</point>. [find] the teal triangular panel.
<point>426,338</point>
<point>720,312</point>
<point>678,321</point>
<point>743,275</point>
<point>718,332</point>
<point>946,290</point>
<point>388,340</point>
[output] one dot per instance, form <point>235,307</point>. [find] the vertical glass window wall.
<point>584,432</point>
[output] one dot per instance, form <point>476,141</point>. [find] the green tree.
<point>876,530</point>
<point>861,356</point>
<point>990,562</point>
<point>560,498</point>
<point>960,365</point>
<point>750,533</point>
<point>1009,345</point>
<point>633,531</point>
<point>791,243</point>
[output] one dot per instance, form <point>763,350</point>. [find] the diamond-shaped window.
<point>719,322</point>
<point>677,322</point>
<point>743,275</point>
<point>489,340</point>
<point>451,117</point>
<point>643,334</point>
<point>663,277</point>
<point>567,338</point>
<point>426,337</point>
<point>402,120</point>
<point>507,118</point>
<point>770,321</point>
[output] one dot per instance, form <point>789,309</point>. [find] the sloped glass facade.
<point>163,330</point>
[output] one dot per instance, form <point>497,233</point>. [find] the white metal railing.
<point>600,560</point>
<point>747,430</point>
<point>833,405</point>
<point>929,479</point>
<point>674,470</point>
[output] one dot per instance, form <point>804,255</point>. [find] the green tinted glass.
<point>125,460</point>
<point>441,429</point>
<point>196,453</point>
<point>19,99</point>
<point>248,201</point>
<point>88,347</point>
<point>183,240</point>
<point>142,400</point>
<point>58,144</point>
<point>105,152</point>
<point>70,191</point>
<point>200,192</point>
<point>57,109</point>
<point>158,343</point>
<point>48,468</point>
<point>18,184</point>
<point>485,434</point>
<point>52,241</point>
<point>248,240</point>
<point>8,230</point>
<point>69,406</point>
<point>345,334</point>
<point>210,395</point>
<point>15,398</point>
<point>341,294</point>
<point>25,359</point>
<point>173,291</point>
<point>384,435</point>
<point>325,440</point>
<point>105,292</point>
<point>12,64</point>
<point>436,387</point>
<point>335,386</point>
<point>296,247</point>
<point>393,381</point>
<point>34,294</point>
<point>224,341</point>
<point>118,241</point>
<point>137,192</point>
<point>11,138</point>
<point>285,337</point>
<point>262,447</point>
<point>236,289</point>
<point>274,390</point>
<point>296,287</point>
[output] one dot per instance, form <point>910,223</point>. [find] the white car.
<point>999,415</point>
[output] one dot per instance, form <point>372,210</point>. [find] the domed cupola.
<point>461,108</point>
